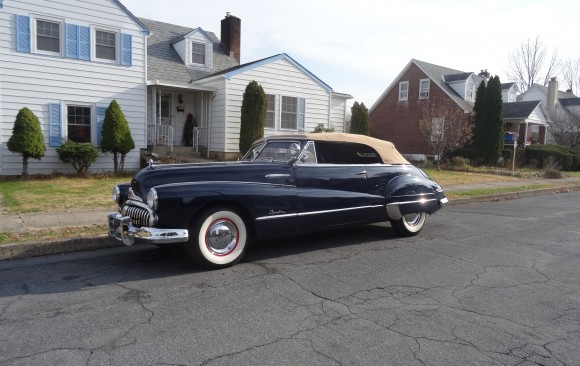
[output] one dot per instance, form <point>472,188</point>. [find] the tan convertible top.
<point>386,149</point>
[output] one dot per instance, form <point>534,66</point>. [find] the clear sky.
<point>359,47</point>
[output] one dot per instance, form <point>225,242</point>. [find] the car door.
<point>330,194</point>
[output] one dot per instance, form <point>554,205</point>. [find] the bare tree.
<point>565,127</point>
<point>571,74</point>
<point>530,64</point>
<point>445,126</point>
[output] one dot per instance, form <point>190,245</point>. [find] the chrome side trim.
<point>121,228</point>
<point>315,212</point>
<point>273,176</point>
<point>409,202</point>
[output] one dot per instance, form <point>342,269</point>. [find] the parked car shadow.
<point>79,271</point>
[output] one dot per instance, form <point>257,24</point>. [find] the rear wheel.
<point>410,224</point>
<point>217,238</point>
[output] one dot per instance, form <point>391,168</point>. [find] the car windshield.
<point>273,151</point>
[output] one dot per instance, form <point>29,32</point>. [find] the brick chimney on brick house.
<point>231,35</point>
<point>552,96</point>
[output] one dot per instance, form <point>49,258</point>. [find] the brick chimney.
<point>231,35</point>
<point>552,96</point>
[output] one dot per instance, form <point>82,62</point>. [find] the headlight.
<point>116,194</point>
<point>152,198</point>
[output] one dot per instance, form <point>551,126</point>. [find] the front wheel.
<point>409,225</point>
<point>218,238</point>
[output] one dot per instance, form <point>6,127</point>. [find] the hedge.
<point>567,157</point>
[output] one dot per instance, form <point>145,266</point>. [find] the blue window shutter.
<point>72,41</point>
<point>84,43</point>
<point>54,124</point>
<point>301,113</point>
<point>100,120</point>
<point>22,33</point>
<point>126,49</point>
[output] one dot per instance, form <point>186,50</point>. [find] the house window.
<point>79,123</point>
<point>424,89</point>
<point>403,90</point>
<point>437,130</point>
<point>47,36</point>
<point>469,95</point>
<point>289,113</point>
<point>105,45</point>
<point>270,111</point>
<point>197,53</point>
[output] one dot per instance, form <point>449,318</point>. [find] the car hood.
<point>161,174</point>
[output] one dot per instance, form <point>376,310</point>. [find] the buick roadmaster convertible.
<point>283,186</point>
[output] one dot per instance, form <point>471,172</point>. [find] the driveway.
<point>493,283</point>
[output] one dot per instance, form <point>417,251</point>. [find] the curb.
<point>26,250</point>
<point>512,196</point>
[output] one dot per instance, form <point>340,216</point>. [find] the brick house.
<point>396,114</point>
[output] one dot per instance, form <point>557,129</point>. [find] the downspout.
<point>329,104</point>
<point>526,135</point>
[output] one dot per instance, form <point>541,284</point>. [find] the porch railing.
<point>199,138</point>
<point>160,135</point>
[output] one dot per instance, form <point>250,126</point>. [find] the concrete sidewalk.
<point>15,222</point>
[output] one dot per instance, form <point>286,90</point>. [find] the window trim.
<point>296,113</point>
<point>205,55</point>
<point>422,90</point>
<point>34,34</point>
<point>406,96</point>
<point>273,110</point>
<point>93,125</point>
<point>117,33</point>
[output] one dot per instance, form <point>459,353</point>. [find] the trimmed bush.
<point>27,138</point>
<point>566,157</point>
<point>253,118</point>
<point>320,129</point>
<point>80,155</point>
<point>116,136</point>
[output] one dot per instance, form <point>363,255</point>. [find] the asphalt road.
<point>493,283</point>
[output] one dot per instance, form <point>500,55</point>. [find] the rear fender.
<point>411,194</point>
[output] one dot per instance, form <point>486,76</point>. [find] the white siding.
<point>279,78</point>
<point>459,87</point>
<point>34,80</point>
<point>181,48</point>
<point>537,116</point>
<point>535,94</point>
<point>338,114</point>
<point>218,115</point>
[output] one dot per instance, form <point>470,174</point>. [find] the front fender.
<point>179,203</point>
<point>410,194</point>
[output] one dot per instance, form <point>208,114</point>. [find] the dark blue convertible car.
<point>283,186</point>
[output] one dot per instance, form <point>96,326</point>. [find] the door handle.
<point>274,176</point>
<point>364,172</point>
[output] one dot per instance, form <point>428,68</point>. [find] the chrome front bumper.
<point>121,228</point>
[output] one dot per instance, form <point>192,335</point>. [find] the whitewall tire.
<point>409,225</point>
<point>218,238</point>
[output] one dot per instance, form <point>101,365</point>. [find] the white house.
<point>66,61</point>
<point>192,71</point>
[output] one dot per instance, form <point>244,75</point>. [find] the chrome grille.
<point>139,216</point>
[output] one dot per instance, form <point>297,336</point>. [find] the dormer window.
<point>197,53</point>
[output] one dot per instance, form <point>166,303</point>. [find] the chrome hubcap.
<point>221,237</point>
<point>412,219</point>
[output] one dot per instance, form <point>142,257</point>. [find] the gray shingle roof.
<point>438,75</point>
<point>569,102</point>
<point>165,64</point>
<point>519,110</point>
<point>506,85</point>
<point>457,77</point>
